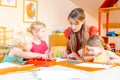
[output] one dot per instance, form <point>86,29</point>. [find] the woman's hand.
<point>73,56</point>
<point>63,55</point>
<point>51,55</point>
<point>80,52</point>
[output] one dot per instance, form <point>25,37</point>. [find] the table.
<point>104,74</point>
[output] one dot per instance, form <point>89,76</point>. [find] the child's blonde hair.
<point>36,26</point>
<point>22,38</point>
<point>95,41</point>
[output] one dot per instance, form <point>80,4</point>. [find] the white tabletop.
<point>105,74</point>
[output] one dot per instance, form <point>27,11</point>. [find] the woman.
<point>77,35</point>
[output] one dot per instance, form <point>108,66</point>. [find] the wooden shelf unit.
<point>5,36</point>
<point>107,25</point>
<point>106,11</point>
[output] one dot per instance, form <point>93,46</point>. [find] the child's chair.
<point>57,50</point>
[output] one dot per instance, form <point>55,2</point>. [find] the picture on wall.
<point>9,3</point>
<point>30,11</point>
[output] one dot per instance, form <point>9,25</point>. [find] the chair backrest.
<point>57,50</point>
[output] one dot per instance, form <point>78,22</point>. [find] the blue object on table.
<point>73,62</point>
<point>111,33</point>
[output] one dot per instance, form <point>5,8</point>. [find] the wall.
<point>53,13</point>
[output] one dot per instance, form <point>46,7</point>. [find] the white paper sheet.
<point>57,68</point>
<point>8,65</point>
<point>93,65</point>
<point>46,75</point>
<point>60,59</point>
<point>18,76</point>
<point>61,75</point>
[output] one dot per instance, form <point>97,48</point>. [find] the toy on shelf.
<point>111,33</point>
<point>118,33</point>
<point>112,45</point>
<point>58,32</point>
<point>42,62</point>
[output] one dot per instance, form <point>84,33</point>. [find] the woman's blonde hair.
<point>36,26</point>
<point>77,39</point>
<point>22,38</point>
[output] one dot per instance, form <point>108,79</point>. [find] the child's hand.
<point>109,62</point>
<point>73,56</point>
<point>97,54</point>
<point>115,61</point>
<point>44,56</point>
<point>80,52</point>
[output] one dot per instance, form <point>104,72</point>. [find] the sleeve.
<point>92,30</point>
<point>32,49</point>
<point>113,55</point>
<point>67,33</point>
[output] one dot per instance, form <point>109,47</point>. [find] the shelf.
<point>6,38</point>
<point>109,9</point>
<point>111,36</point>
<point>112,25</point>
<point>106,11</point>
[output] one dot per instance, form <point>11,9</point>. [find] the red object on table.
<point>42,62</point>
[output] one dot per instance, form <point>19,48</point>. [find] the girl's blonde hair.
<point>22,38</point>
<point>36,26</point>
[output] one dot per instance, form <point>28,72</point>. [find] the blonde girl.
<point>21,48</point>
<point>37,29</point>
